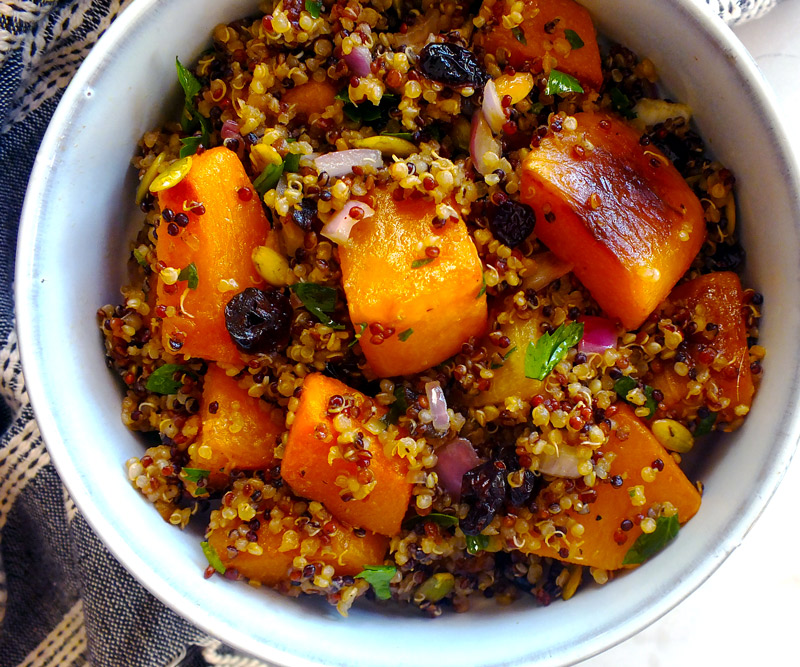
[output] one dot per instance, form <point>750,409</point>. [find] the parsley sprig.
<point>542,356</point>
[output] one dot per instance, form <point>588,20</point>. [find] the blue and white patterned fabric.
<point>64,600</point>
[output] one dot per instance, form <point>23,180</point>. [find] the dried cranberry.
<point>305,215</point>
<point>484,490</point>
<point>259,320</point>
<point>511,222</point>
<point>452,65</point>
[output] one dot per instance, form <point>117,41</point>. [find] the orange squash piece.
<point>432,305</point>
<point>544,27</point>
<point>635,448</point>
<point>716,299</point>
<point>219,243</point>
<point>619,211</point>
<point>310,97</point>
<point>510,379</point>
<point>238,431</point>
<point>314,470</point>
<point>341,547</point>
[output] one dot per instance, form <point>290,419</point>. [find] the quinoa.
<point>244,78</point>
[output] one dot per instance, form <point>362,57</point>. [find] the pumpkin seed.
<point>388,145</point>
<point>436,587</point>
<point>673,435</point>
<point>173,175</point>
<point>273,267</point>
<point>149,177</point>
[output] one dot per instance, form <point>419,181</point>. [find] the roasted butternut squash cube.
<point>310,97</point>
<point>431,304</point>
<point>617,210</point>
<point>282,538</point>
<point>219,243</point>
<point>552,29</point>
<point>333,456</point>
<point>509,379</point>
<point>238,432</point>
<point>604,540</point>
<point>721,349</point>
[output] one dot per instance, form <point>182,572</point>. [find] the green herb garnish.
<point>626,384</point>
<point>621,103</point>
<point>161,380</point>
<point>397,408</point>
<point>541,357</point>
<point>418,263</point>
<point>405,335</point>
<point>194,475</point>
<point>476,543</point>
<point>648,545</point>
<point>368,113</point>
<point>379,576</point>
<point>189,274</point>
<point>319,300</point>
<point>291,163</point>
<point>357,337</point>
<point>191,87</point>
<point>212,557</point>
<point>706,424</point>
<point>314,7</point>
<point>559,83</point>
<point>574,39</point>
<point>268,178</point>
<point>190,145</point>
<point>537,107</point>
<point>482,290</point>
<point>445,520</point>
<point>519,35</point>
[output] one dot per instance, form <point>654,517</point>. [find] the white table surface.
<point>748,612</point>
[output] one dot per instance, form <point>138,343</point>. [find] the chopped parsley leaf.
<point>319,300</point>
<point>574,39</point>
<point>648,545</point>
<point>626,384</point>
<point>543,356</point>
<point>314,7</point>
<point>212,557</point>
<point>189,274</point>
<point>476,543</point>
<point>161,380</point>
<point>519,35</point>
<point>379,576</point>
<point>559,83</point>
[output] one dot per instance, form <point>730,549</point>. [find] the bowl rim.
<point>646,612</point>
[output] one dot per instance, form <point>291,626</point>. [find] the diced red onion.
<point>438,405</point>
<point>341,163</point>
<point>339,226</point>
<point>456,458</point>
<point>599,334</point>
<point>230,130</point>
<point>492,108</point>
<point>359,60</point>
<point>563,465</point>
<point>481,142</point>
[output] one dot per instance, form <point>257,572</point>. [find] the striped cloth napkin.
<point>64,600</point>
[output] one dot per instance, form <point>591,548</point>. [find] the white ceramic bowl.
<point>76,223</point>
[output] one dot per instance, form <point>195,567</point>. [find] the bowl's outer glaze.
<point>71,255</point>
